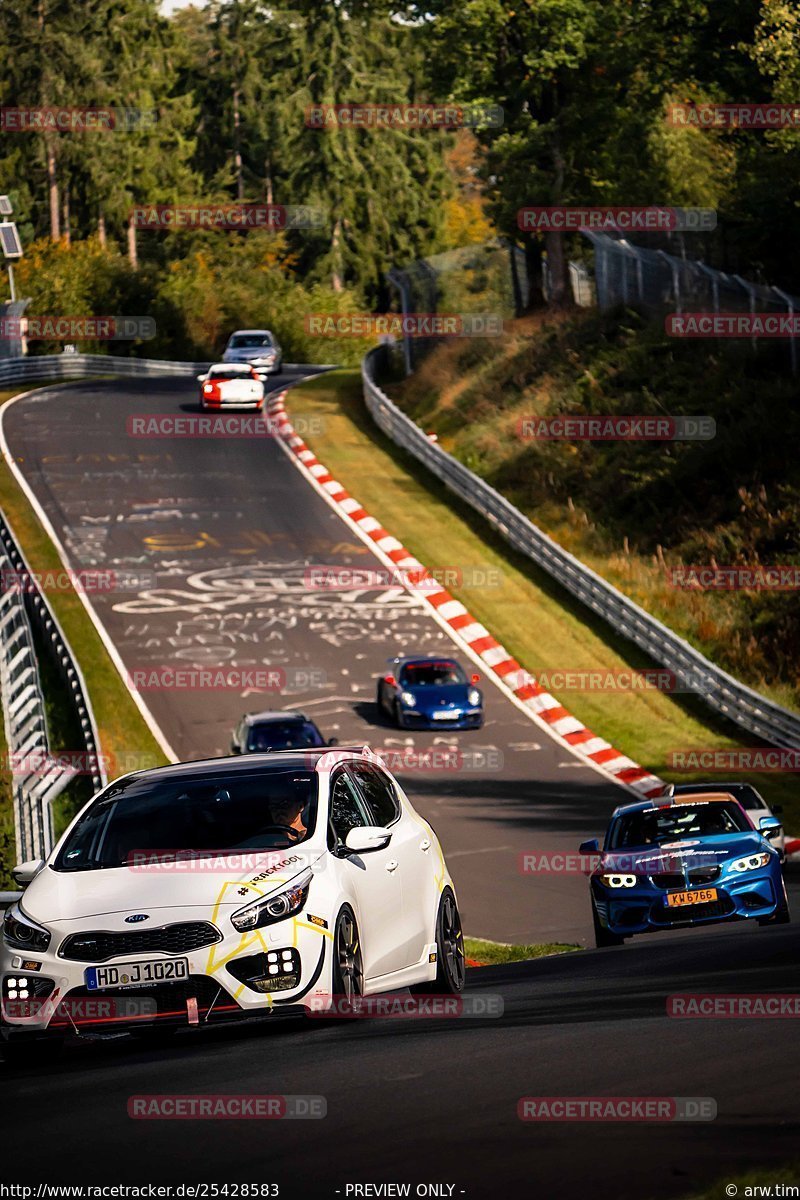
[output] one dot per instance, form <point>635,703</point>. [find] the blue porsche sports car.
<point>685,860</point>
<point>430,693</point>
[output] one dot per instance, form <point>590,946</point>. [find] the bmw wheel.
<point>451,963</point>
<point>348,970</point>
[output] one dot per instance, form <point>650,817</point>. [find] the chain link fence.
<point>490,277</point>
<point>660,282</point>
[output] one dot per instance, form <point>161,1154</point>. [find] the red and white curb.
<point>543,708</point>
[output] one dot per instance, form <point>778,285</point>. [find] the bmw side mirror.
<point>25,872</point>
<point>234,748</point>
<point>590,847</point>
<point>200,378</point>
<point>365,838</point>
<point>333,741</point>
<point>769,825</point>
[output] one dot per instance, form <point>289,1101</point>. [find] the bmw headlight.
<point>274,908</point>
<point>474,697</point>
<point>751,863</point>
<point>618,881</point>
<point>19,931</point>
<point>408,699</point>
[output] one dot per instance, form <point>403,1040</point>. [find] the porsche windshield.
<point>654,826</point>
<point>431,674</point>
<point>193,817</point>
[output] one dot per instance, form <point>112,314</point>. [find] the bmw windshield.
<point>654,826</point>
<point>192,817</point>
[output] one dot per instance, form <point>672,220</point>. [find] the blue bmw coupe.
<point>687,860</point>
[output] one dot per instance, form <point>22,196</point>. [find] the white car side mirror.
<point>25,872</point>
<point>200,378</point>
<point>368,837</point>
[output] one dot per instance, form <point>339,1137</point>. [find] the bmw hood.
<point>145,888</point>
<point>682,853</point>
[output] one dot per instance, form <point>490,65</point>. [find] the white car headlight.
<point>474,697</point>
<point>23,933</point>
<point>751,863</point>
<point>616,880</point>
<point>408,699</point>
<point>274,908</point>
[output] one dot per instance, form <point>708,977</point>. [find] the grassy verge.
<point>533,618</point>
<point>485,954</point>
<point>637,511</point>
<point>120,726</point>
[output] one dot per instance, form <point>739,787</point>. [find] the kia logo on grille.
<point>137,917</point>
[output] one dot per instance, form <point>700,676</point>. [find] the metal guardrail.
<point>75,366</point>
<point>726,695</point>
<point>36,780</point>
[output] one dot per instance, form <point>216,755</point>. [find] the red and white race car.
<point>230,385</point>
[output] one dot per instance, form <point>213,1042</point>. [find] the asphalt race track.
<point>228,527</point>
<point>436,1101</point>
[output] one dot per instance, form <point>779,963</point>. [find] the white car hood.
<point>56,896</point>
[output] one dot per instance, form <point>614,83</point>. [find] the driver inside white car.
<point>288,812</point>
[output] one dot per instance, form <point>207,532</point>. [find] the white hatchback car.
<point>209,890</point>
<point>230,385</point>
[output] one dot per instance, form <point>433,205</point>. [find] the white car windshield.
<point>250,341</point>
<point>193,816</point>
<point>232,371</point>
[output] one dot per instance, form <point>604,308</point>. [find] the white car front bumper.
<point>238,975</point>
